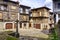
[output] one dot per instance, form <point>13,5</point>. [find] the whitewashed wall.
<point>1,25</point>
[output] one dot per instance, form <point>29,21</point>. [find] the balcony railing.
<point>24,19</point>
<point>1,2</point>
<point>39,16</point>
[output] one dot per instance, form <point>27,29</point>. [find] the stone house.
<point>24,16</point>
<point>39,18</point>
<point>8,13</point>
<point>11,11</point>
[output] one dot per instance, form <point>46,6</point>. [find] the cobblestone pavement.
<point>29,38</point>
<point>32,34</point>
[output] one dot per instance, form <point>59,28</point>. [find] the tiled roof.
<point>41,8</point>
<point>11,1</point>
<point>24,6</point>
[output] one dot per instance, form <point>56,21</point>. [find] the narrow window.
<point>27,11</point>
<point>58,5</point>
<point>24,24</point>
<point>21,10</point>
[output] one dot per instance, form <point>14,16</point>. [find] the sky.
<point>36,3</point>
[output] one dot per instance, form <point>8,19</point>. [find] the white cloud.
<point>49,4</point>
<point>48,1</point>
<point>32,3</point>
<point>35,3</point>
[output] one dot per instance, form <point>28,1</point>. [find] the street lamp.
<point>17,34</point>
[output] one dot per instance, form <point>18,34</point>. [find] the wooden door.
<point>30,25</point>
<point>9,26</point>
<point>37,26</point>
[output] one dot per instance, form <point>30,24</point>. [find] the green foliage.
<point>5,36</point>
<point>11,38</point>
<point>54,34</point>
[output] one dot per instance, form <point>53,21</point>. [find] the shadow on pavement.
<point>30,38</point>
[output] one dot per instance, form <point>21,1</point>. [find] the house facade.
<point>39,18</point>
<point>51,19</point>
<point>8,13</point>
<point>24,16</point>
<point>56,10</point>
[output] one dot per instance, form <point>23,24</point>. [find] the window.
<point>21,10</point>
<point>40,13</point>
<point>59,15</point>
<point>20,25</point>
<point>45,27</point>
<point>30,25</point>
<point>27,11</point>
<point>24,18</point>
<point>58,5</point>
<point>31,15</point>
<point>24,24</point>
<point>3,7</point>
<point>13,7</point>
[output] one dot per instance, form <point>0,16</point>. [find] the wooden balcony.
<point>39,16</point>
<point>1,2</point>
<point>24,20</point>
<point>21,19</point>
<point>24,13</point>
